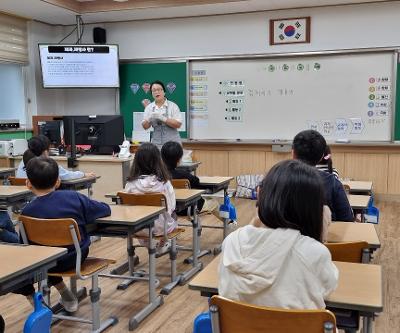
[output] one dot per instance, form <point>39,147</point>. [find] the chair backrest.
<point>17,181</point>
<point>347,251</point>
<point>346,188</point>
<point>148,199</point>
<point>49,232</point>
<point>237,317</point>
<point>180,183</point>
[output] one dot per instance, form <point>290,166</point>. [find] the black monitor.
<point>52,130</point>
<point>103,133</point>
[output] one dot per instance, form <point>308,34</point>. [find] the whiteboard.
<point>346,96</point>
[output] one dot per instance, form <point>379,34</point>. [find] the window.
<point>12,96</point>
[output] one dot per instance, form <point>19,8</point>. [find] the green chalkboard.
<point>134,87</point>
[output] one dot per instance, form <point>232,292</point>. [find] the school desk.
<point>353,231</point>
<point>213,185</point>
<point>359,288</point>
<point>5,172</point>
<point>79,184</point>
<point>112,170</point>
<point>189,198</point>
<point>359,187</point>
<point>359,203</point>
<point>23,264</point>
<point>184,198</point>
<point>13,195</point>
<point>131,219</point>
<point>189,166</point>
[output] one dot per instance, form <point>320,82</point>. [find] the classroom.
<point>239,79</point>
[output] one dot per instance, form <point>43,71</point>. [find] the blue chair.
<point>39,321</point>
<point>202,323</point>
<point>372,215</point>
<point>227,210</point>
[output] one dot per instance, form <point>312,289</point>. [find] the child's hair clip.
<point>327,157</point>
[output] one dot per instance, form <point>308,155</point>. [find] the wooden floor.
<point>179,309</point>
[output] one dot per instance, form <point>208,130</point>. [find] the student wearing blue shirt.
<point>40,146</point>
<point>43,180</point>
<point>309,147</point>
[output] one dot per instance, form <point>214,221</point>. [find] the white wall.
<point>63,101</point>
<point>341,27</point>
<point>43,101</point>
<point>357,26</point>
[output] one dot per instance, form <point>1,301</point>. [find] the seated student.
<point>326,163</point>
<point>40,146</point>
<point>281,263</point>
<point>7,230</point>
<point>148,175</point>
<point>43,180</point>
<point>172,153</point>
<point>309,147</point>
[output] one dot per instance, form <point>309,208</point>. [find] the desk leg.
<point>89,191</point>
<point>131,263</point>
<point>154,301</point>
<point>200,253</point>
<point>218,249</point>
<point>196,265</point>
<point>367,324</point>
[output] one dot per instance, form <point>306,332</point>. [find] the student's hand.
<point>90,174</point>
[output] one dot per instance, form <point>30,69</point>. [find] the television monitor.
<point>51,129</point>
<point>79,66</point>
<point>104,133</point>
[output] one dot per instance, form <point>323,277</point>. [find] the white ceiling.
<point>45,12</point>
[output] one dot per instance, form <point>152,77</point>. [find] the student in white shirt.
<point>163,115</point>
<point>149,175</point>
<point>39,146</point>
<point>281,263</point>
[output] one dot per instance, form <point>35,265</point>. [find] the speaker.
<point>99,35</point>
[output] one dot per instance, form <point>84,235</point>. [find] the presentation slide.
<point>79,66</point>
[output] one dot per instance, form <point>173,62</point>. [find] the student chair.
<point>356,252</point>
<point>236,317</point>
<point>155,199</point>
<point>346,188</point>
<point>64,233</point>
<point>17,181</point>
<point>180,183</point>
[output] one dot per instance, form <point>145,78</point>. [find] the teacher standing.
<point>163,115</point>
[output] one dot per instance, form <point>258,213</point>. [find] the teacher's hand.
<point>158,116</point>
